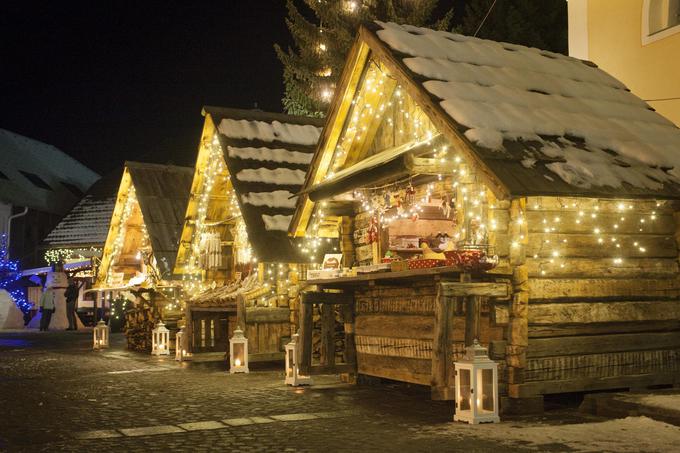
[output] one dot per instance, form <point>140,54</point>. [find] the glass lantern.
<point>293,376</point>
<point>100,336</point>
<point>160,340</point>
<point>238,353</point>
<point>476,387</point>
<point>181,353</point>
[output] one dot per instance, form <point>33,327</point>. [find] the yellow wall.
<point>615,45</point>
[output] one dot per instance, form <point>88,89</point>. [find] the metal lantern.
<point>238,353</point>
<point>100,336</point>
<point>160,340</point>
<point>293,376</point>
<point>476,387</point>
<point>181,353</point>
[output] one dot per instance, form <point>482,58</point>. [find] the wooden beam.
<point>321,297</point>
<point>441,356</point>
<point>473,319</point>
<point>306,327</point>
<point>332,369</point>
<point>416,371</point>
<point>349,318</point>
<point>327,356</point>
<point>268,315</point>
<point>462,289</point>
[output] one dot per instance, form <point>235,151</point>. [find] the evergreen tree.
<point>541,24</point>
<point>311,70</point>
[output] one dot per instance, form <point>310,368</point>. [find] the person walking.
<point>71,295</point>
<point>47,307</point>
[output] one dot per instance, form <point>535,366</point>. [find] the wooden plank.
<point>443,312</point>
<point>547,347</point>
<point>604,268</point>
<point>267,315</point>
<point>306,327</point>
<point>320,297</point>
<point>327,353</point>
<point>590,384</point>
<point>559,330</point>
<point>453,289</point>
<point>394,347</point>
<point>603,205</point>
<point>588,246</point>
<point>266,356</point>
<point>421,305</point>
<point>349,319</point>
<point>572,222</point>
<point>598,288</point>
<point>415,371</point>
<point>596,312</point>
<point>417,327</point>
<point>414,274</point>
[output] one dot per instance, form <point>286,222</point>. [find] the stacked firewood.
<point>339,336</point>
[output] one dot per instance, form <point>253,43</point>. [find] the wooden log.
<point>306,327</point>
<point>473,309</point>
<point>188,331</point>
<point>588,246</point>
<point>441,358</point>
<point>397,326</point>
<point>598,288</point>
<point>570,222</point>
<point>518,330</point>
<point>596,312</point>
<point>547,347</point>
<point>395,347</point>
<point>332,369</point>
<point>327,357</point>
<point>404,369</point>
<point>603,268</point>
<point>267,315</point>
<point>589,204</point>
<point>558,330</point>
<point>453,289</point>
<point>241,313</point>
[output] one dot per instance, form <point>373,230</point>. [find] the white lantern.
<point>238,353</point>
<point>100,336</point>
<point>181,354</point>
<point>476,387</point>
<point>293,376</point>
<point>160,340</point>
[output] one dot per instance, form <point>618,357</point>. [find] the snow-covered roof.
<point>543,123</point>
<point>267,155</point>
<point>40,176</point>
<point>87,224</point>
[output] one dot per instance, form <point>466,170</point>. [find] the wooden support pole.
<point>350,353</point>
<point>441,357</point>
<point>188,331</point>
<point>306,327</point>
<point>518,326</point>
<point>473,321</point>
<point>327,335</point>
<point>241,312</point>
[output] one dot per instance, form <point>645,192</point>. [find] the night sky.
<point>107,81</point>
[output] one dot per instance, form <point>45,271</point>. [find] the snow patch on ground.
<point>632,434</point>
<point>275,199</point>
<point>278,176</point>
<point>501,91</point>
<point>276,222</point>
<point>268,132</point>
<point>272,155</point>
<point>671,402</point>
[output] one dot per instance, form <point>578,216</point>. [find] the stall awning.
<point>389,164</point>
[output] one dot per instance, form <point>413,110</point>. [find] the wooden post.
<point>240,312</point>
<point>188,343</point>
<point>306,327</point>
<point>473,324</point>
<point>350,352</point>
<point>327,335</point>
<point>441,360</point>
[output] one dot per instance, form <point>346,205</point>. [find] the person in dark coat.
<point>71,295</point>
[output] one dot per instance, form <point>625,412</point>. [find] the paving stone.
<point>293,417</point>
<point>100,434</point>
<point>197,426</point>
<point>151,430</point>
<point>238,421</point>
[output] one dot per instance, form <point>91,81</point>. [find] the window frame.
<point>648,38</point>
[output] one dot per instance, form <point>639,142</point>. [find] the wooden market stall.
<point>141,247</point>
<point>234,242</point>
<point>547,187</point>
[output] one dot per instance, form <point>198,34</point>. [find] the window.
<point>36,180</point>
<point>660,18</point>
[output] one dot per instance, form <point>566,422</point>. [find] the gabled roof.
<point>163,193</point>
<point>532,122</point>
<point>267,155</point>
<point>40,176</point>
<point>87,224</point>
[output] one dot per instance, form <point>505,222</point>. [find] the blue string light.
<point>9,275</point>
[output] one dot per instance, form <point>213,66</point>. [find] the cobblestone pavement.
<point>56,394</point>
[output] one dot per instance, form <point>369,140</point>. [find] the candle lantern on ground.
<point>476,387</point>
<point>293,376</point>
<point>238,352</point>
<point>160,340</point>
<point>101,335</point>
<point>181,353</point>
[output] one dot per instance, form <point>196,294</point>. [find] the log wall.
<point>598,316</point>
